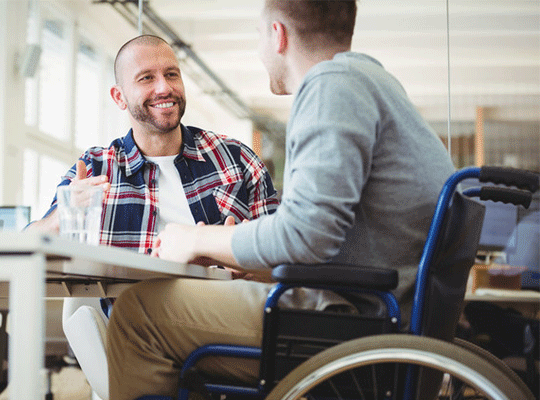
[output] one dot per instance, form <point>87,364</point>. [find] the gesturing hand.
<point>81,179</point>
<point>51,223</point>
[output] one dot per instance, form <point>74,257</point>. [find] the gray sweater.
<point>362,174</point>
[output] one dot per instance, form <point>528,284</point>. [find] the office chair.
<point>361,357</point>
<point>85,326</point>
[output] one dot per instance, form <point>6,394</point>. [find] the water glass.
<point>79,210</point>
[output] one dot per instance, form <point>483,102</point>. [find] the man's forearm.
<point>201,244</point>
<point>49,224</point>
<point>215,242</point>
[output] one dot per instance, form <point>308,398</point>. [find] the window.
<point>54,80</point>
<point>30,95</point>
<point>41,175</point>
<point>67,102</point>
<point>87,96</point>
<point>30,182</point>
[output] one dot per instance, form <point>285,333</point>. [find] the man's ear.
<point>279,37</point>
<point>118,97</point>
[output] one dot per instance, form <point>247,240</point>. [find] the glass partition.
<point>494,69</point>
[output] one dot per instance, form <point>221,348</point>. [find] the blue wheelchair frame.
<point>485,174</point>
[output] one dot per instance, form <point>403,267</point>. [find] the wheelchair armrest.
<point>337,275</point>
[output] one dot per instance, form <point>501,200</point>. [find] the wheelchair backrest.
<point>449,270</point>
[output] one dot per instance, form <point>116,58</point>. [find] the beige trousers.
<point>156,324</point>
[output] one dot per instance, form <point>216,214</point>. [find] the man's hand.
<point>81,179</point>
<point>182,243</point>
<point>257,275</point>
<point>51,223</point>
<point>201,244</point>
<point>176,243</point>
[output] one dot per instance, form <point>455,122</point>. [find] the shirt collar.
<point>192,146</point>
<point>129,155</point>
<point>130,158</point>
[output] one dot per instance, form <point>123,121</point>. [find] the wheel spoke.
<point>357,385</point>
<point>375,367</point>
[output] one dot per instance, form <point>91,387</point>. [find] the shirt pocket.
<point>232,199</point>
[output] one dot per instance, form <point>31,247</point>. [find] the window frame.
<point>43,144</point>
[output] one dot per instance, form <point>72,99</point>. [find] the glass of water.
<point>79,211</point>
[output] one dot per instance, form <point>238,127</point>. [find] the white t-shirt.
<point>172,201</point>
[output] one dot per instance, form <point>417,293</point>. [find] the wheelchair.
<point>333,355</point>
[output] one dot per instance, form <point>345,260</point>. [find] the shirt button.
<point>154,213</point>
<point>153,181</point>
<point>149,251</point>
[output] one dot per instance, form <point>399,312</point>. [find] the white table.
<point>38,265</point>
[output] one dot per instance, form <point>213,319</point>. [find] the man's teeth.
<point>164,105</point>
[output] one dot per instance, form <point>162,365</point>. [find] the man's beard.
<point>143,115</point>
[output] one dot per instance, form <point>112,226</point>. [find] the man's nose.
<point>162,85</point>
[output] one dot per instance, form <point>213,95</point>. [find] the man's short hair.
<point>150,40</point>
<point>318,22</point>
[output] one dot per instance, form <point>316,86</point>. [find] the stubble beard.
<point>142,114</point>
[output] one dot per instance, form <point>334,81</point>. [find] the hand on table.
<point>177,243</point>
<point>182,243</point>
<point>258,275</point>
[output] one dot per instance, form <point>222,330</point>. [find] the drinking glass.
<point>79,208</point>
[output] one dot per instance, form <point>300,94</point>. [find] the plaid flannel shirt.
<point>220,176</point>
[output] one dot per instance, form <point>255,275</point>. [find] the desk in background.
<point>34,265</point>
<point>491,322</point>
<point>525,301</point>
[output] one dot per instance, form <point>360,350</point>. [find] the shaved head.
<point>149,84</point>
<point>147,40</point>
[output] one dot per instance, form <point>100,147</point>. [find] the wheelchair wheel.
<point>496,362</point>
<point>377,367</point>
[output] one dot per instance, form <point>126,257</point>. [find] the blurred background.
<point>472,68</point>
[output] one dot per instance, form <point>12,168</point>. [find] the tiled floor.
<point>68,384</point>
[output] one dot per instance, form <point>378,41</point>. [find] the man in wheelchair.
<point>362,175</point>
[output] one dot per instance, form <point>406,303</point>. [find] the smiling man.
<point>163,171</point>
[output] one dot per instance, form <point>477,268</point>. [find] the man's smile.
<point>164,105</point>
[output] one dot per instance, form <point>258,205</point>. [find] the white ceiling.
<point>494,49</point>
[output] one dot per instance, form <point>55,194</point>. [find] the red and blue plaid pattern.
<point>220,176</point>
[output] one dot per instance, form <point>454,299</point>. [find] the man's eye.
<point>146,78</point>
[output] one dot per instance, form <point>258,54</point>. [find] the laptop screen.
<point>14,218</point>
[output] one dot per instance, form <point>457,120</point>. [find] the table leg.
<point>26,276</point>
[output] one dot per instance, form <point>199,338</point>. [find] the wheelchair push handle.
<point>519,178</point>
<point>505,195</point>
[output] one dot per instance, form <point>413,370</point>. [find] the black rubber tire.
<point>477,372</point>
<point>496,362</point>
